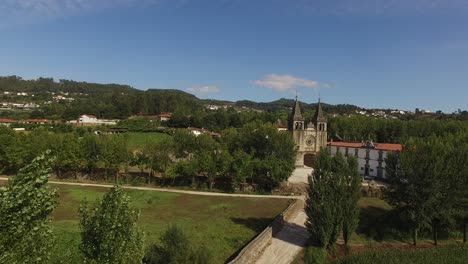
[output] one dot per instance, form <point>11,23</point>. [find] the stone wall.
<point>252,251</point>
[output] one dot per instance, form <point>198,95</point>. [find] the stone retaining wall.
<point>252,251</point>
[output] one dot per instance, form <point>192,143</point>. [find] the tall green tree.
<point>114,154</point>
<point>351,195</point>
<point>321,209</point>
<point>425,182</point>
<point>333,194</point>
<point>109,232</point>
<point>25,206</point>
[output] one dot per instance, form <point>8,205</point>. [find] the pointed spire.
<point>318,116</point>
<point>296,115</point>
<point>296,112</point>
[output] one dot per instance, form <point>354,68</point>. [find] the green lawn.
<point>222,224</point>
<point>137,140</point>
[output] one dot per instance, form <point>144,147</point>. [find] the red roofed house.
<point>371,156</point>
<point>164,116</point>
<point>7,122</point>
<point>36,121</point>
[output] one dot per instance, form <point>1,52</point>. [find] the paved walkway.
<point>287,243</point>
<point>300,175</point>
<point>172,190</point>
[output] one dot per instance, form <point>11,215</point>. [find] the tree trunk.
<point>116,175</point>
<point>415,236</point>
<point>345,235</point>
<point>434,231</point>
<point>464,231</point>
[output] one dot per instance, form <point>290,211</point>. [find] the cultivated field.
<point>223,224</point>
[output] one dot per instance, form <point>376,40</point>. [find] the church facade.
<point>309,136</point>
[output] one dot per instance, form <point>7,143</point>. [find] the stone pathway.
<point>172,190</point>
<point>300,175</point>
<point>287,243</point>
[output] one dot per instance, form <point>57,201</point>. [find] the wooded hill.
<point>121,101</point>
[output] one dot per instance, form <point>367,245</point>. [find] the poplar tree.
<point>332,202</point>
<point>322,204</point>
<point>352,194</point>
<point>25,206</point>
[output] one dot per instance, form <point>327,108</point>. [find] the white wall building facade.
<point>371,156</point>
<point>87,119</point>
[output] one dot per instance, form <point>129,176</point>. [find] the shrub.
<point>315,255</point>
<point>109,232</point>
<point>176,248</point>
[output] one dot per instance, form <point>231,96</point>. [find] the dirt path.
<point>287,243</point>
<point>172,190</point>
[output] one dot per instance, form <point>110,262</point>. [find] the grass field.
<point>222,224</point>
<point>137,140</point>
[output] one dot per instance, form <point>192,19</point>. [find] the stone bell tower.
<point>308,137</point>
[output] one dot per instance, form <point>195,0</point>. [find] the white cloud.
<point>285,82</point>
<point>203,89</point>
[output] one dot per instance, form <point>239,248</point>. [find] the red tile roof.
<point>378,146</point>
<point>6,120</point>
<point>345,144</point>
<point>165,115</point>
<point>36,121</point>
<point>389,147</point>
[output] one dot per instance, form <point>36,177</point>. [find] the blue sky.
<point>372,53</point>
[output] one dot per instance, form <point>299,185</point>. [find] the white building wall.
<point>343,151</point>
<point>374,154</point>
<point>362,153</point>
<point>87,119</point>
<point>372,160</point>
<point>373,164</point>
<point>362,166</point>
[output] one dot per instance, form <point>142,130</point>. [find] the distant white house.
<point>202,131</point>
<point>90,120</point>
<point>164,116</point>
<point>87,119</point>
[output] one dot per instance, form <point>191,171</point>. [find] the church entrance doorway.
<point>309,160</point>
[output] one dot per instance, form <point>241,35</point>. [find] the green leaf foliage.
<point>109,231</point>
<point>176,248</point>
<point>333,193</point>
<point>428,181</point>
<point>25,205</point>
